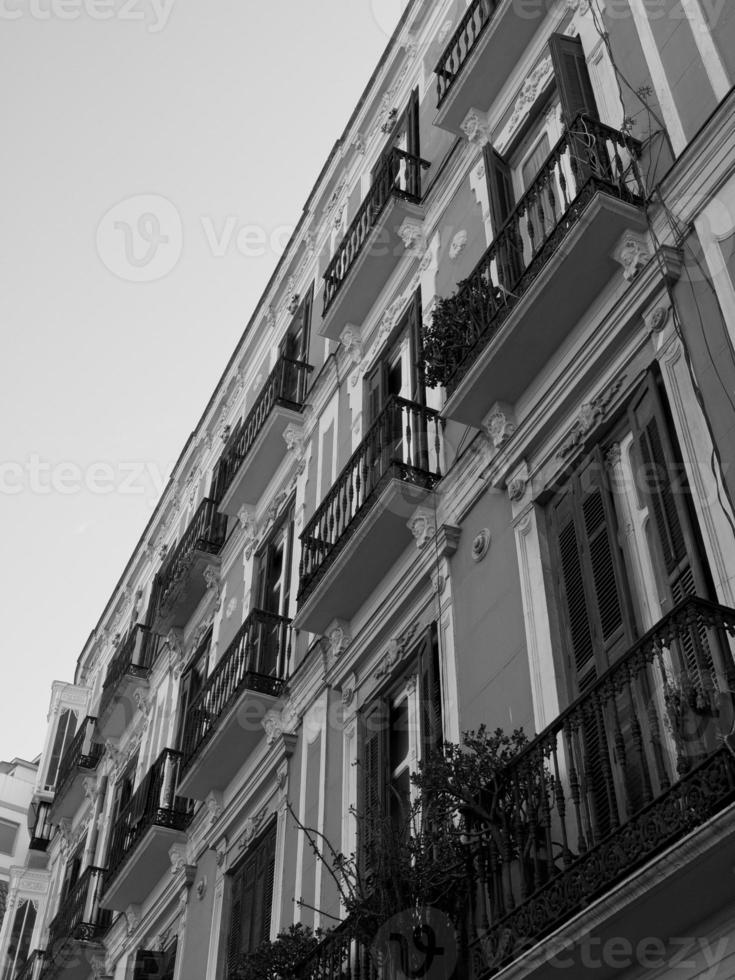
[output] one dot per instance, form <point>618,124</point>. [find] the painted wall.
<point>492,667</point>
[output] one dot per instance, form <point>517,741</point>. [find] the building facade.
<point>474,451</point>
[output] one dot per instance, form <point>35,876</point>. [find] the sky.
<point>126,124</point>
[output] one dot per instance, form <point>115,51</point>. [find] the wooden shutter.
<point>595,602</point>
<point>65,731</point>
<point>374,782</point>
<point>252,899</point>
<point>432,729</point>
<point>572,77</point>
<point>676,544</point>
<point>502,203</point>
<point>500,187</point>
<point>375,391</point>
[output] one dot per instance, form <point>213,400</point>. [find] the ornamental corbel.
<point>212,580</point>
<point>214,806</point>
<point>295,438</point>
<point>476,128</point>
<point>411,234</point>
<point>351,340</point>
<point>273,726</point>
<point>632,253</point>
<point>499,424</point>
<point>339,636</point>
<point>422,526</point>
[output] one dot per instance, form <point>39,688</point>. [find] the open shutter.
<point>374,782</point>
<point>676,545</point>
<point>572,77</point>
<point>415,334</point>
<point>252,900</point>
<point>502,203</point>
<point>234,939</point>
<point>375,391</point>
<point>432,729</point>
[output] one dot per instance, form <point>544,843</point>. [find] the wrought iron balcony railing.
<point>205,533</point>
<point>405,443</point>
<point>461,45</point>
<point>80,916</point>
<point>153,804</point>
<point>42,827</point>
<point>633,765</point>
<point>83,753</point>
<point>286,385</point>
<point>135,656</point>
<point>589,157</point>
<point>638,761</point>
<point>32,966</point>
<point>256,660</point>
<point>398,176</point>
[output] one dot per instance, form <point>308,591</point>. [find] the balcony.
<point>79,760</point>
<point>76,932</point>
<point>153,819</point>
<point>224,722</point>
<point>372,246</point>
<point>180,584</point>
<point>488,43</point>
<point>256,447</point>
<point>127,673</point>
<point>33,966</point>
<point>360,528</point>
<point>547,264</point>
<point>643,760</point>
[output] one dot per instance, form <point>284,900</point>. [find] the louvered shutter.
<point>252,899</point>
<point>597,618</point>
<point>572,77</point>
<point>502,203</point>
<point>374,782</point>
<point>234,939</point>
<point>676,545</point>
<point>432,731</point>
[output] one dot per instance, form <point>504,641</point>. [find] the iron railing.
<point>461,45</point>
<point>398,176</point>
<point>153,804</point>
<point>629,768</point>
<point>643,757</point>
<point>80,916</point>
<point>286,385</point>
<point>404,442</point>
<point>205,533</point>
<point>83,753</point>
<point>42,827</point>
<point>135,656</point>
<point>256,660</point>
<point>342,955</point>
<point>589,157</point>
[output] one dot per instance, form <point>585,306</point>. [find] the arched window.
<point>64,734</point>
<point>20,938</point>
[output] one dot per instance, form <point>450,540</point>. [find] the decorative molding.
<point>273,725</point>
<point>531,89</point>
<point>211,575</point>
<point>422,526</point>
<point>177,857</point>
<point>657,320</point>
<point>295,439</point>
<point>476,128</point>
<point>201,888</point>
<point>632,253</point>
<point>481,544</point>
<point>517,488</point>
<point>339,637</point>
<point>351,340</point>
<point>589,417</point>
<point>251,828</point>
<point>221,852</point>
<point>411,234</point>
<point>214,806</point>
<point>499,424</point>
<point>396,652</point>
<point>458,244</point>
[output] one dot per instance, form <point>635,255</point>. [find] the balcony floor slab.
<point>142,869</point>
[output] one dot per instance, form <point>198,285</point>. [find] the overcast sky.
<point>223,113</point>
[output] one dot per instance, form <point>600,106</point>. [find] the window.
<point>295,345</point>
<point>403,726</point>
<point>192,683</point>
<point>397,372</point>
<point>273,577</point>
<point>155,965</point>
<point>404,136</point>
<point>65,731</point>
<point>21,934</point>
<point>8,836</point>
<point>625,551</point>
<point>252,899</point>
<point>510,177</point>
